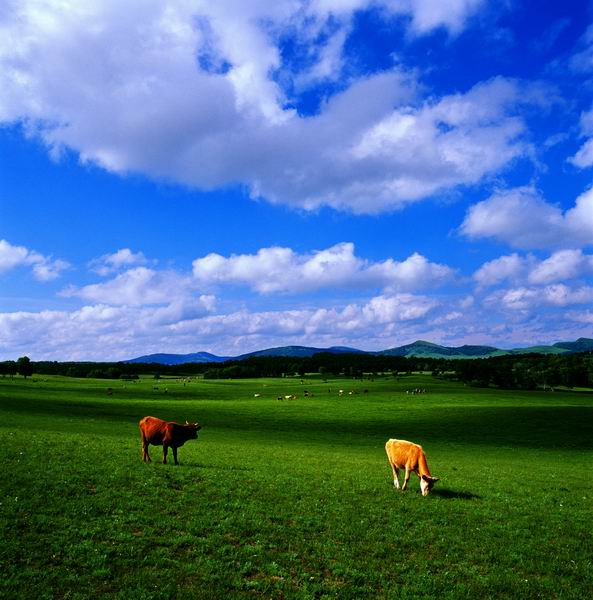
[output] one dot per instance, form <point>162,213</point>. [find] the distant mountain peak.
<point>419,348</point>
<point>425,343</point>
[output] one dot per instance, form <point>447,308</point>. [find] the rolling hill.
<point>179,359</point>
<point>418,348</point>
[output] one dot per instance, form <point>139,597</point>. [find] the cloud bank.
<point>103,79</point>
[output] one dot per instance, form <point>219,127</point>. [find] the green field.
<point>293,499</point>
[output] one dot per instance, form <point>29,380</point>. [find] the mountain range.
<point>418,348</point>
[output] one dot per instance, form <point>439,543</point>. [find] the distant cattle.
<point>166,434</point>
<point>409,456</point>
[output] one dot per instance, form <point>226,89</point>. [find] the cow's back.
<point>402,453</point>
<point>153,430</point>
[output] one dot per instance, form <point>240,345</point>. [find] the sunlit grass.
<point>293,498</point>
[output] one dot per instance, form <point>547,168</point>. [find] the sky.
<point>184,176</point>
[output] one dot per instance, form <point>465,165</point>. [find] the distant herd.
<point>401,454</point>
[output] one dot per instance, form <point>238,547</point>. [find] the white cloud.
<point>103,79</point>
<point>106,332</point>
<point>12,256</point>
<point>512,267</point>
<point>401,307</point>
<point>110,263</point>
<point>448,317</point>
<point>103,332</point>
<point>279,269</point>
<point>467,302</point>
<point>584,156</point>
<point>560,266</point>
<point>522,218</point>
<point>136,287</point>
<point>430,14</point>
<point>582,61</point>
<point>528,298</point>
<point>47,269</point>
<point>585,316</point>
<point>44,268</point>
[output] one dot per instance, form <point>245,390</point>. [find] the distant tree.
<point>97,374</point>
<point>113,373</point>
<point>8,367</point>
<point>24,366</point>
<point>212,374</point>
<point>76,371</point>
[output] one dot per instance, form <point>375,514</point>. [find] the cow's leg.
<point>406,478</point>
<point>395,475</point>
<point>145,455</point>
<point>174,454</point>
<point>165,450</point>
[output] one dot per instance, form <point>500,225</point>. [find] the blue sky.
<point>185,176</point>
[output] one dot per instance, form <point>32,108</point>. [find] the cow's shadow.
<point>454,494</point>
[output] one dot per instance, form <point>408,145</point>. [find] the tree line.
<point>524,371</point>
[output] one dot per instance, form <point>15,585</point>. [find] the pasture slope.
<point>293,499</point>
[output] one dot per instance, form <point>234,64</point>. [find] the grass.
<point>293,499</point>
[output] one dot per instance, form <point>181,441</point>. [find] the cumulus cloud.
<point>12,256</point>
<point>110,263</point>
<point>560,266</point>
<point>522,218</point>
<point>280,269</point>
<point>504,268</point>
<point>141,286</point>
<point>401,307</point>
<point>44,268</point>
<point>525,298</point>
<point>103,79</point>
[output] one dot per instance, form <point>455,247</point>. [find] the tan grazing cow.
<point>166,434</point>
<point>409,456</point>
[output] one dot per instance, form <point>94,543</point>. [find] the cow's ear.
<point>435,479</point>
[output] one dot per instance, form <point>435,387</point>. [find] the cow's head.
<point>192,429</point>
<point>426,484</point>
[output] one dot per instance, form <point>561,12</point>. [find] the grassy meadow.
<point>293,498</point>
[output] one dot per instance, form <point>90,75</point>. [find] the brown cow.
<point>165,433</point>
<point>409,456</point>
